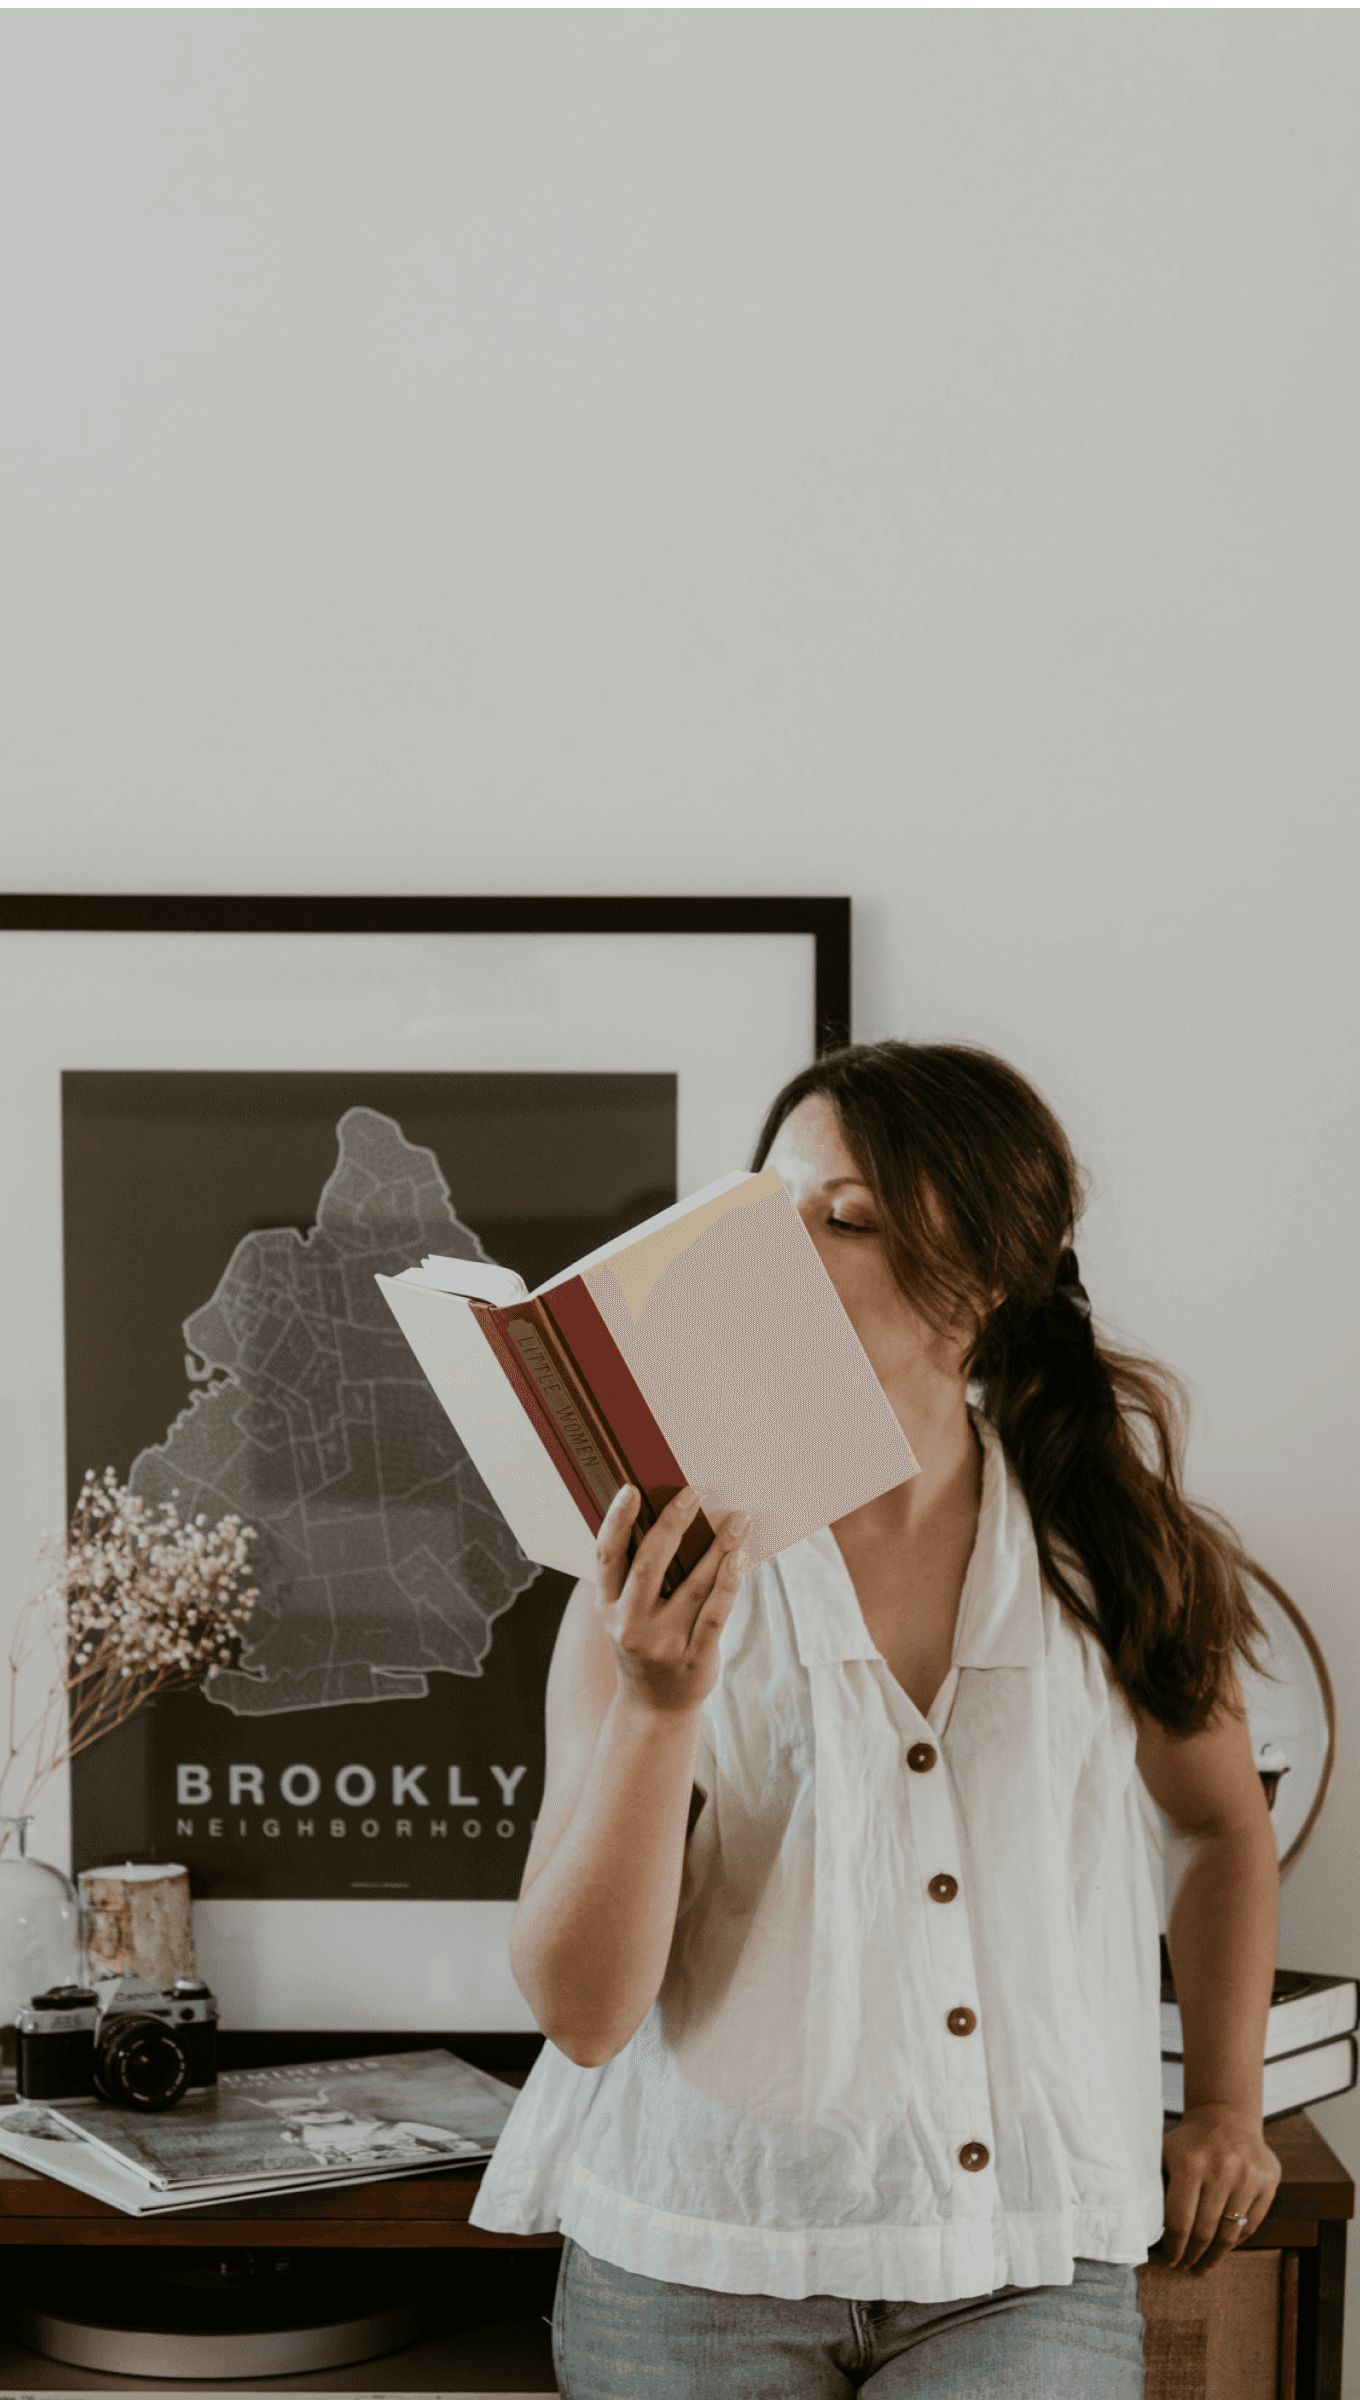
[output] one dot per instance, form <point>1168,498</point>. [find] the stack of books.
<point>267,2129</point>
<point>1310,2041</point>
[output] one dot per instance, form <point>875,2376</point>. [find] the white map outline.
<point>382,1558</point>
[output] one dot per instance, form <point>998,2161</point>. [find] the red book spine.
<point>582,1430</point>
<point>603,1373</point>
<point>543,1422</point>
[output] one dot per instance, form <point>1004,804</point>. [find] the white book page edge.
<point>496,1431</point>
<point>471,1279</point>
<point>1296,2077</point>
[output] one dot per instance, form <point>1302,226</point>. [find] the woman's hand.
<point>665,1650</point>
<point>1215,2160</point>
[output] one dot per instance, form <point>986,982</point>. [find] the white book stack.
<point>1310,2051</point>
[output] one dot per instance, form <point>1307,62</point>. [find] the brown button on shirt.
<point>942,1887</point>
<point>920,1757</point>
<point>961,2020</point>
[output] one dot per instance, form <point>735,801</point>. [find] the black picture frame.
<point>825,920</point>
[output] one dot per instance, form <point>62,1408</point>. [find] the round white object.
<point>217,2356</point>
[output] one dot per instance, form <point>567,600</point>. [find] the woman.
<point>852,2078</point>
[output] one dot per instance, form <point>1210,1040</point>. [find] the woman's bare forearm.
<point>592,1934</point>
<point>1222,1935</point>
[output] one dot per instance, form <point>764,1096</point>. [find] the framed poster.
<point>226,1116</point>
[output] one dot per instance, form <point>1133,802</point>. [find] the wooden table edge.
<point>424,2209</point>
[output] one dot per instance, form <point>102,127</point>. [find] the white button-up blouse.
<point>907,2045</point>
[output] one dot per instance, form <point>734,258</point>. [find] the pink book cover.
<point>733,1332</point>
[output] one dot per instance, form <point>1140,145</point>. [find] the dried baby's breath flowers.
<point>136,1603</point>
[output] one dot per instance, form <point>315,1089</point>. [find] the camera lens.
<point>141,2064</point>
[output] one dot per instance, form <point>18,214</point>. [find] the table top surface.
<point>1314,2185</point>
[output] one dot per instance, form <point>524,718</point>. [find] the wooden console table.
<point>1264,2325</point>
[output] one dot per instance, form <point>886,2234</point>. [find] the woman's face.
<point>840,1213</point>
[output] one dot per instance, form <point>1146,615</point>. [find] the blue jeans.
<point>618,2336</point>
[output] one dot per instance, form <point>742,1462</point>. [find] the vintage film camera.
<point>130,2042</point>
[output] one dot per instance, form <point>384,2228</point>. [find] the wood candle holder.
<point>139,1921</point>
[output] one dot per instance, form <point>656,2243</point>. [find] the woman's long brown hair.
<point>978,1194</point>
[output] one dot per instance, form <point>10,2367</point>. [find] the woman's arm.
<point>630,1671</point>
<point>1221,1933</point>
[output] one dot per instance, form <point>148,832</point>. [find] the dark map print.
<point>382,1558</point>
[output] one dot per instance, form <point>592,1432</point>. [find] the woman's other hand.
<point>1216,2161</point>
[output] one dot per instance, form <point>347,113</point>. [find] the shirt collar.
<point>1000,1619</point>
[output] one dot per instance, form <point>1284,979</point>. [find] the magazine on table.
<point>290,2128</point>
<point>32,2137</point>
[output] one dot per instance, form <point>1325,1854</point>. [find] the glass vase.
<point>40,1925</point>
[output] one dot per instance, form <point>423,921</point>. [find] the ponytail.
<point>1167,1599</point>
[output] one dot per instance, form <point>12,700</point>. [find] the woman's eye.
<point>848,1225</point>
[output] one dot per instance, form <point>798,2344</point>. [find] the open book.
<point>707,1346</point>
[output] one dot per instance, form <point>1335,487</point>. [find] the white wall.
<point>905,454</point>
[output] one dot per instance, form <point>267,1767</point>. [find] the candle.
<point>139,1921</point>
